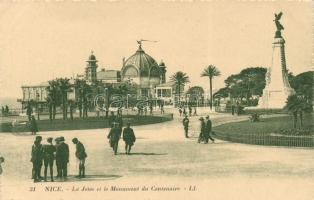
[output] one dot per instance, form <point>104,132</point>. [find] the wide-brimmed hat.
<point>38,137</point>
<point>61,139</point>
<point>207,117</point>
<point>201,118</point>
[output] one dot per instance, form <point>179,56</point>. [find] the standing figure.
<point>186,122</point>
<point>184,111</point>
<point>33,126</point>
<point>232,109</point>
<point>128,138</point>
<point>208,124</point>
<point>81,155</point>
<point>151,108</point>
<point>49,150</point>
<point>1,161</point>
<point>62,157</point>
<point>145,111</point>
<point>201,137</point>
<point>238,108</point>
<point>162,111</point>
<point>195,113</point>
<point>190,111</point>
<point>29,111</point>
<point>36,158</point>
<point>114,137</point>
<point>57,141</point>
<point>180,111</point>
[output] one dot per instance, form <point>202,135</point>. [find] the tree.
<point>195,94</point>
<point>303,84</point>
<point>82,89</point>
<point>297,104</point>
<point>211,71</point>
<point>180,79</point>
<point>52,98</point>
<point>63,87</point>
<point>250,81</point>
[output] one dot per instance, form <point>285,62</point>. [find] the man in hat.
<point>49,150</point>
<point>208,129</point>
<point>129,138</point>
<point>81,156</point>
<point>114,137</point>
<point>185,123</point>
<point>203,130</point>
<point>62,155</point>
<point>36,158</point>
<point>33,125</point>
<point>57,141</point>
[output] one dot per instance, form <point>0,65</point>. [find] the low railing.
<point>267,140</point>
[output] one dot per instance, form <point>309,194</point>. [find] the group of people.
<point>183,110</point>
<point>115,135</point>
<point>205,129</point>
<point>48,153</point>
<point>5,110</point>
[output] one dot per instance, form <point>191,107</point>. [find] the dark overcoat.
<point>129,136</point>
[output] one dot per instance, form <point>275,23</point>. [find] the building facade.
<point>143,70</point>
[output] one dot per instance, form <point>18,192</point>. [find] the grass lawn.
<point>79,123</point>
<point>264,126</point>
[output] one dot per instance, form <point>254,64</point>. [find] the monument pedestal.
<point>277,87</point>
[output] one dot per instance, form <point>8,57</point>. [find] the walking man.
<point>114,137</point>
<point>208,124</point>
<point>186,122</point>
<point>129,138</point>
<point>201,137</point>
<point>33,125</point>
<point>36,158</point>
<point>62,157</point>
<point>81,155</point>
<point>49,150</point>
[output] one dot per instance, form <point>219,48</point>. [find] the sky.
<point>43,40</point>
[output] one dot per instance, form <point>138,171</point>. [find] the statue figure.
<point>278,25</point>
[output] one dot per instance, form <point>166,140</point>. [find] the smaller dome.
<point>92,58</point>
<point>162,64</point>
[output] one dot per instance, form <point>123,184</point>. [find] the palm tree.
<point>82,89</point>
<point>211,71</point>
<point>64,86</point>
<point>180,79</point>
<point>52,98</point>
<point>297,104</point>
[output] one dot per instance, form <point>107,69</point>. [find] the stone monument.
<point>277,87</point>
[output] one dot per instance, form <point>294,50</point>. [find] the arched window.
<point>154,72</point>
<point>130,71</point>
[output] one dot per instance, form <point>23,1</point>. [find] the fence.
<point>267,140</point>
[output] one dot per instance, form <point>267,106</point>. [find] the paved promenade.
<point>162,157</point>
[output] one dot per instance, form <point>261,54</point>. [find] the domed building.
<point>143,70</point>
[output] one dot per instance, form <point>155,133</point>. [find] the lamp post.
<point>37,105</point>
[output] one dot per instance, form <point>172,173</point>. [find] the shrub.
<point>254,117</point>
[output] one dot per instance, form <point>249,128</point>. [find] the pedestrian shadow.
<point>148,154</point>
<point>73,178</point>
<point>143,154</point>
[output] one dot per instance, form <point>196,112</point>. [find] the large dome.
<point>142,63</point>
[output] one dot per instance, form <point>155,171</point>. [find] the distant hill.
<point>10,101</point>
